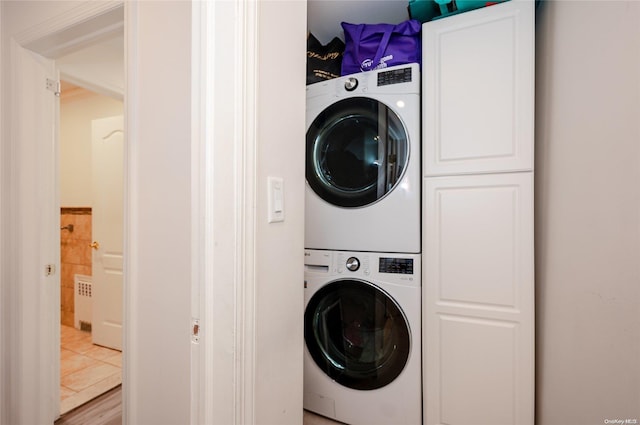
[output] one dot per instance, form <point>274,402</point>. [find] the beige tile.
<point>66,299</point>
<point>88,377</point>
<point>65,392</point>
<point>101,353</point>
<point>66,318</point>
<point>76,251</point>
<point>80,346</point>
<point>68,272</point>
<point>82,226</point>
<point>67,331</point>
<point>70,340</point>
<point>115,360</point>
<point>66,275</point>
<point>75,363</point>
<point>71,334</point>
<point>90,392</point>
<point>65,354</point>
<point>87,370</point>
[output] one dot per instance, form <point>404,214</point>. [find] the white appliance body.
<point>362,361</point>
<point>363,162</point>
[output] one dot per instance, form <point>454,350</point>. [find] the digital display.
<point>394,77</point>
<point>396,265</point>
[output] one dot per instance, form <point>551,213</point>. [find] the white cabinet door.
<point>478,306</point>
<point>478,91</point>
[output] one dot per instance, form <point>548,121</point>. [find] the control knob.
<point>350,84</point>
<point>353,264</point>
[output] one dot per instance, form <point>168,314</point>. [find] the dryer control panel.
<point>394,76</point>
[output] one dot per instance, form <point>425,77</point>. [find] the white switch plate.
<point>275,191</point>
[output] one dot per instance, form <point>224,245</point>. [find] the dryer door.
<point>357,151</point>
<point>357,334</point>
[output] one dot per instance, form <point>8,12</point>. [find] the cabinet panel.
<point>478,305</point>
<point>477,234</point>
<point>478,91</point>
<point>477,380</point>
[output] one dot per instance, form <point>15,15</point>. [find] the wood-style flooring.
<point>107,410</point>
<point>103,410</point>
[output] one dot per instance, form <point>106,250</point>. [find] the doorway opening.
<point>90,362</point>
<point>90,179</point>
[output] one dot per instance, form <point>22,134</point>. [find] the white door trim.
<point>224,163</point>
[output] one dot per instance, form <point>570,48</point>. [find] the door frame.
<point>209,396</point>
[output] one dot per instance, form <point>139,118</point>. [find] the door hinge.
<point>195,331</point>
<point>49,269</point>
<point>53,86</point>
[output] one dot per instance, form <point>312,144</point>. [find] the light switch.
<point>275,188</point>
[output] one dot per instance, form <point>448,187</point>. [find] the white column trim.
<point>131,194</point>
<point>246,97</point>
<point>223,183</point>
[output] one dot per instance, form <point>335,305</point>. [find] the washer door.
<point>357,334</point>
<point>357,151</point>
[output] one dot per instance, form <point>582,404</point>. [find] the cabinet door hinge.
<point>53,86</point>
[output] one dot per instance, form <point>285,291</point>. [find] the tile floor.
<point>86,370</point>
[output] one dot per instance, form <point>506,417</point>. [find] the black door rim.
<point>349,135</point>
<point>357,334</point>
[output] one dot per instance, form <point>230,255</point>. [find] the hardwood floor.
<point>103,410</point>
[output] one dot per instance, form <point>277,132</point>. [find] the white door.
<point>478,299</point>
<point>107,230</point>
<point>478,91</point>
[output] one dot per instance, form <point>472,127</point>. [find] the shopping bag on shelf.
<point>324,62</point>
<point>376,46</point>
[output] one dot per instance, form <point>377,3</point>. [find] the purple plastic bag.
<point>375,46</point>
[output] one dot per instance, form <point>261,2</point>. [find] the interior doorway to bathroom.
<point>91,151</point>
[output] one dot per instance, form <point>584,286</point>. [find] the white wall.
<point>324,16</point>
<point>77,110</point>
<point>158,101</point>
<point>588,212</point>
<point>280,246</point>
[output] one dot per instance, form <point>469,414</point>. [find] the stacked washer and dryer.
<point>362,327</point>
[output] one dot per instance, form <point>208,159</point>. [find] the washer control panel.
<point>388,267</point>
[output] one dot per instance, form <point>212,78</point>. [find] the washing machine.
<point>362,360</point>
<point>363,162</point>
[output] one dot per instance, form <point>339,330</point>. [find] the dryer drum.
<point>357,150</point>
<point>357,334</point>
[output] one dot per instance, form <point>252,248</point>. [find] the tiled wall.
<point>75,256</point>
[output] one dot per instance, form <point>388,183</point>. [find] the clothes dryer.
<point>362,360</point>
<point>363,162</point>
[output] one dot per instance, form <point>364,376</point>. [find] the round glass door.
<point>357,334</point>
<point>357,151</point>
